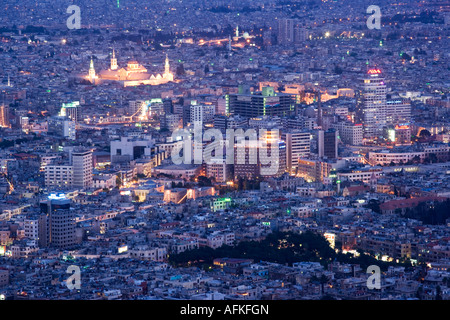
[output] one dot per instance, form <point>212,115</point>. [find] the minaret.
<point>237,31</point>
<point>92,71</point>
<point>229,43</point>
<point>167,65</point>
<point>113,61</point>
<point>9,81</point>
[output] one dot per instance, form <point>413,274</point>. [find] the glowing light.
<point>374,71</point>
<point>59,196</point>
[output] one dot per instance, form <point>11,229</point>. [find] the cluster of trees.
<point>245,184</point>
<point>10,143</point>
<point>430,213</point>
<point>278,247</point>
<point>423,17</point>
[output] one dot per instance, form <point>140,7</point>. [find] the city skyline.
<point>224,150</point>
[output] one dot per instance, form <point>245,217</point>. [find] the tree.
<point>180,70</point>
<point>438,293</point>
<point>415,160</point>
<point>425,133</point>
<point>118,181</point>
<point>337,69</point>
<point>374,205</point>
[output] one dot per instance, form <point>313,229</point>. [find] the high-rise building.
<point>350,133</point>
<point>298,145</point>
<point>62,126</point>
<point>62,226</point>
<point>202,113</point>
<point>249,162</point>
<point>4,116</point>
<point>31,226</point>
<point>82,169</point>
<point>327,143</point>
<point>290,32</point>
<point>262,103</point>
<point>58,175</point>
<point>135,107</point>
<point>371,107</point>
<point>398,111</point>
<point>71,110</point>
<point>219,170</point>
<point>168,106</point>
<point>56,222</point>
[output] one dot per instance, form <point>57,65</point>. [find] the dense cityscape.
<point>224,150</point>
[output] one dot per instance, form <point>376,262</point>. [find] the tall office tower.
<point>202,113</point>
<point>62,126</point>
<point>71,110</point>
<point>31,226</point>
<point>398,111</point>
<point>350,133</point>
<point>261,103</point>
<point>4,116</point>
<point>290,32</point>
<point>56,223</point>
<point>135,107</point>
<point>82,169</point>
<point>371,106</point>
<point>267,38</point>
<point>250,165</point>
<point>170,121</point>
<point>196,113</point>
<point>221,105</point>
<point>298,145</point>
<point>327,143</point>
<point>62,226</point>
<point>44,230</point>
<point>168,106</point>
<point>221,122</point>
<point>286,31</point>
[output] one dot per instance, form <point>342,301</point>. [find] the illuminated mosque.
<point>133,74</point>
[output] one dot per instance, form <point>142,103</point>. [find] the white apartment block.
<point>82,169</point>
<point>298,145</point>
<point>218,169</point>
<point>351,134</point>
<point>202,113</point>
<point>76,174</point>
<point>31,227</point>
<point>59,176</point>
<point>148,253</point>
<point>385,157</point>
